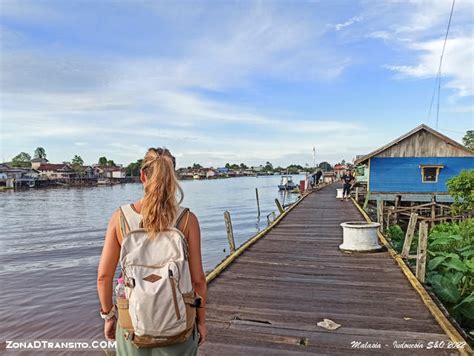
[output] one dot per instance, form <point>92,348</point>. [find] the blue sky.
<point>219,82</point>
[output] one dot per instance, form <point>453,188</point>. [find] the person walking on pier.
<point>161,294</point>
<point>347,180</point>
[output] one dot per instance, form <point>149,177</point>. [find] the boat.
<point>196,176</point>
<point>287,183</point>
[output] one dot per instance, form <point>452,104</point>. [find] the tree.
<point>77,161</point>
<point>243,166</point>
<point>77,164</point>
<point>227,165</point>
<point>468,139</point>
<point>461,188</point>
<point>22,160</point>
<point>133,169</point>
<point>268,167</point>
<point>343,162</point>
<point>103,161</point>
<point>325,166</point>
<point>40,152</point>
<point>110,163</point>
<point>197,166</point>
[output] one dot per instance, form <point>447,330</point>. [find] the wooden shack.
<point>415,166</point>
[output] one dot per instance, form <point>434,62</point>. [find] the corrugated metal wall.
<point>404,174</point>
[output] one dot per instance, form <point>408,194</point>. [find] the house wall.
<point>423,144</point>
<point>403,174</point>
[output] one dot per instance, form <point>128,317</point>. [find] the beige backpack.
<point>160,308</point>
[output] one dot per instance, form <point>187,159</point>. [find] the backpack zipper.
<point>173,289</point>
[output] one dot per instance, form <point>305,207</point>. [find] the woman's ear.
<point>142,176</point>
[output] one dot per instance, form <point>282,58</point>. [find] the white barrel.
<point>339,193</point>
<point>360,236</point>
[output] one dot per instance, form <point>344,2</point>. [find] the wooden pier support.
<point>409,235</point>
<point>380,213</point>
<point>230,231</point>
<point>258,201</point>
<point>279,206</point>
<point>421,252</point>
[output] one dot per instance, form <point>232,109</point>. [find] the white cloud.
<point>458,63</point>
<point>347,23</point>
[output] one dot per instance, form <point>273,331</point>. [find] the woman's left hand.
<point>109,328</point>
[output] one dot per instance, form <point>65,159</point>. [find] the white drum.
<point>360,236</point>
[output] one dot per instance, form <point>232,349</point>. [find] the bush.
<point>451,269</point>
<point>461,188</point>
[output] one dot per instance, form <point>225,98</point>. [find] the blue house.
<point>415,166</point>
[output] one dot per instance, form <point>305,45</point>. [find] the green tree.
<point>268,167</point>
<point>110,163</point>
<point>77,161</point>
<point>343,162</point>
<point>103,161</point>
<point>325,166</point>
<point>243,166</point>
<point>227,165</point>
<point>461,188</point>
<point>40,152</point>
<point>22,160</point>
<point>77,164</point>
<point>197,166</point>
<point>468,139</point>
<point>133,169</point>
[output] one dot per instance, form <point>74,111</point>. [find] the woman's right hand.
<point>109,328</point>
<point>202,329</point>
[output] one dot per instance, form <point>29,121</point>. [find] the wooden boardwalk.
<point>270,299</point>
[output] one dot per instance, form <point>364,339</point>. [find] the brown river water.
<point>51,240</point>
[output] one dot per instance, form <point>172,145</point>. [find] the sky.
<point>229,81</point>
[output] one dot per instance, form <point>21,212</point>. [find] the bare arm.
<point>108,264</point>
<point>198,277</point>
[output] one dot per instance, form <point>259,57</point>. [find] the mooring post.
<point>409,235</point>
<point>421,251</point>
<point>230,231</point>
<point>279,206</point>
<point>258,201</point>
<point>357,194</point>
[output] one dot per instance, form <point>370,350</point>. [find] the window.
<point>430,173</point>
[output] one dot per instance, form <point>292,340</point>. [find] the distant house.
<point>55,171</point>
<point>339,169</point>
<point>211,173</point>
<point>419,162</point>
<point>222,170</point>
<point>329,177</point>
<point>36,162</point>
<point>113,172</point>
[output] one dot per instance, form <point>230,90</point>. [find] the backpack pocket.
<point>155,305</point>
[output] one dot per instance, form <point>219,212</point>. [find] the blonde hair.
<point>160,203</point>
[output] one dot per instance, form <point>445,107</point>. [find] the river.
<point>51,240</point>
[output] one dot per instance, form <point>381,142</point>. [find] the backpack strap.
<point>182,211</point>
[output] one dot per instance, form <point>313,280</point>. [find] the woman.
<point>158,209</point>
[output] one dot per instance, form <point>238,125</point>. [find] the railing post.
<point>380,213</point>
<point>279,206</point>
<point>421,252</point>
<point>409,235</point>
<point>258,201</point>
<point>230,231</point>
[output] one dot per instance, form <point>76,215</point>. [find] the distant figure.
<point>347,179</point>
<point>318,176</point>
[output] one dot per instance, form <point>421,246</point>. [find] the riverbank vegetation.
<point>450,257</point>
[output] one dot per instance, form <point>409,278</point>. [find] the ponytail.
<point>160,203</point>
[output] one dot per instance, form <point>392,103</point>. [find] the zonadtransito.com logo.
<point>59,344</point>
